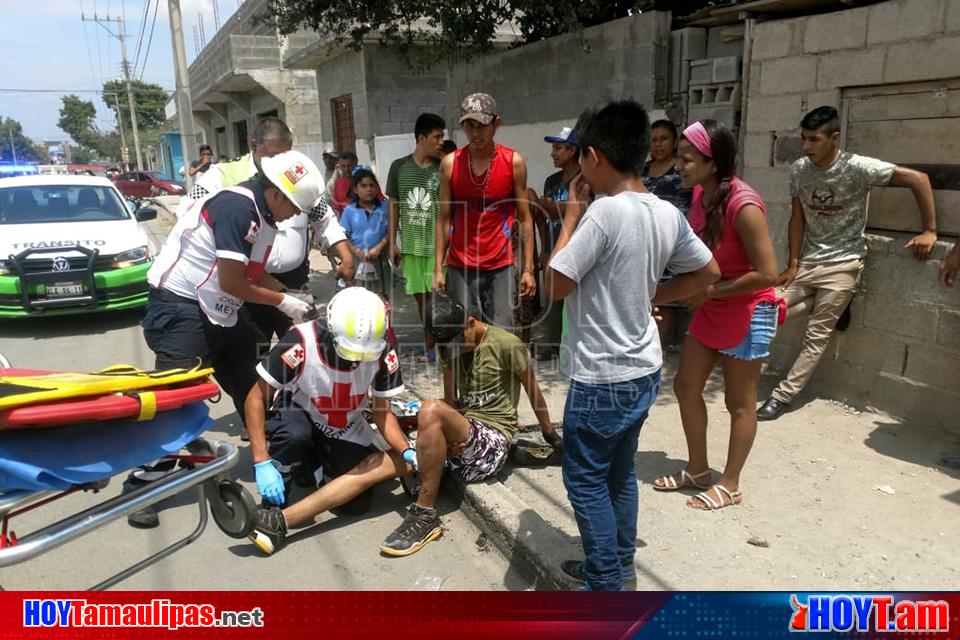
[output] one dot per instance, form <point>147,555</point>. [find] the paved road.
<point>339,553</point>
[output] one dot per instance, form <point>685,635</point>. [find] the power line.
<point>156,4</point>
<point>12,90</point>
<point>86,41</point>
<point>143,29</point>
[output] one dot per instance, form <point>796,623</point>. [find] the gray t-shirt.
<point>620,249</point>
<point>834,203</point>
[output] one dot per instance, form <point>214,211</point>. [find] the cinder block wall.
<point>398,94</point>
<point>902,351</point>
<point>557,78</point>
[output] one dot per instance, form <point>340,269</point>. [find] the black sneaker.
<point>420,526</point>
<point>146,518</point>
<point>270,533</point>
<point>576,569</point>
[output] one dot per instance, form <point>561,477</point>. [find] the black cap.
<point>445,319</point>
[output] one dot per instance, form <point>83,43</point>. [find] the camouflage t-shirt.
<point>416,190</point>
<point>835,200</point>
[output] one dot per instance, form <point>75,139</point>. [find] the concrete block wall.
<point>545,81</point>
<point>397,94</point>
<point>340,75</point>
<point>901,350</point>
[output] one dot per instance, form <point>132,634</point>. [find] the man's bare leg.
<point>441,433</point>
<point>372,470</point>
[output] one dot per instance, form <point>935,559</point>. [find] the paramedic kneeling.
<point>212,262</point>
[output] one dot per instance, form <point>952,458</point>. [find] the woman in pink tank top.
<point>734,320</point>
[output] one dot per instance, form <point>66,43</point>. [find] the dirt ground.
<point>833,498</point>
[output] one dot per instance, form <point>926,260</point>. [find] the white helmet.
<point>358,320</point>
<point>296,176</point>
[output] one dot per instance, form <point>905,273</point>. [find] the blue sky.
<point>45,45</point>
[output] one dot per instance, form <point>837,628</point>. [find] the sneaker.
<point>270,532</point>
<point>146,518</point>
<point>576,569</point>
<point>420,526</point>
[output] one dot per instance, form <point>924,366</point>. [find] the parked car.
<point>71,244</point>
<point>146,184</point>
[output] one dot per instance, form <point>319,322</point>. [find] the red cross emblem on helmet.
<point>296,172</point>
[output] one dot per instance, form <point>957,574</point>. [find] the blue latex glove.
<point>269,482</point>
<point>410,457</point>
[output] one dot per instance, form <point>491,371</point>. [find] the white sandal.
<point>704,497</point>
<point>669,483</point>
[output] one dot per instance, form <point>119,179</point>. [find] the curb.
<point>499,513</point>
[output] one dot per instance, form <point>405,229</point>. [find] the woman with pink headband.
<point>734,320</point>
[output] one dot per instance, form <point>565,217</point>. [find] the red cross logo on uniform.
<point>339,404</point>
<point>299,169</point>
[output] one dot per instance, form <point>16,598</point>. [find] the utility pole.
<point>13,147</point>
<point>184,103</point>
<point>123,138</point>
<point>126,76</point>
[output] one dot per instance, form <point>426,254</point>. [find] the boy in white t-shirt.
<point>606,265</point>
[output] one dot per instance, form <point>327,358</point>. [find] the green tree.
<point>426,32</point>
<point>13,140</point>
<point>82,155</point>
<point>77,120</point>
<point>149,100</point>
<point>41,153</point>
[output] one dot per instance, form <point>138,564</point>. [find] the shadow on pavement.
<point>41,327</point>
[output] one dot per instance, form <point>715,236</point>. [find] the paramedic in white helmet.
<point>212,262</point>
<point>289,260</point>
<point>313,390</point>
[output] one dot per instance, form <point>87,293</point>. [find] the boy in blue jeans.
<point>365,222</point>
<point>615,357</point>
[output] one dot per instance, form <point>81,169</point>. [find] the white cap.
<point>328,150</point>
<point>296,176</point>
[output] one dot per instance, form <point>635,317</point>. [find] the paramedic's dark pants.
<point>180,335</point>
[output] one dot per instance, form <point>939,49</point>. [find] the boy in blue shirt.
<point>365,223</point>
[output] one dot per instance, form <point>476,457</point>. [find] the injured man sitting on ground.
<point>315,383</point>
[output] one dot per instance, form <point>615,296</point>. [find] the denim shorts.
<point>756,344</point>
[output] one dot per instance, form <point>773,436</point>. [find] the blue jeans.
<point>601,425</point>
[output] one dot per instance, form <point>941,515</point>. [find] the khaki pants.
<point>823,291</point>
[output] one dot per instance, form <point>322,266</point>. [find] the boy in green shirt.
<point>413,187</point>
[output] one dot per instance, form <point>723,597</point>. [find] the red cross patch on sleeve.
<point>293,357</point>
<point>252,232</point>
<point>393,362</point>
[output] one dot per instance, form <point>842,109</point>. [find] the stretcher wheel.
<point>233,508</point>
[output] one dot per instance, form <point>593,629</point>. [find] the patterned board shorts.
<point>484,454</point>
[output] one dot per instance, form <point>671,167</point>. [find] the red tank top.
<point>483,212</point>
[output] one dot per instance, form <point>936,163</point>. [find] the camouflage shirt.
<point>834,201</point>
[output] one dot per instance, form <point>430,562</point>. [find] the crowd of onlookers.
<point>642,225</point>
